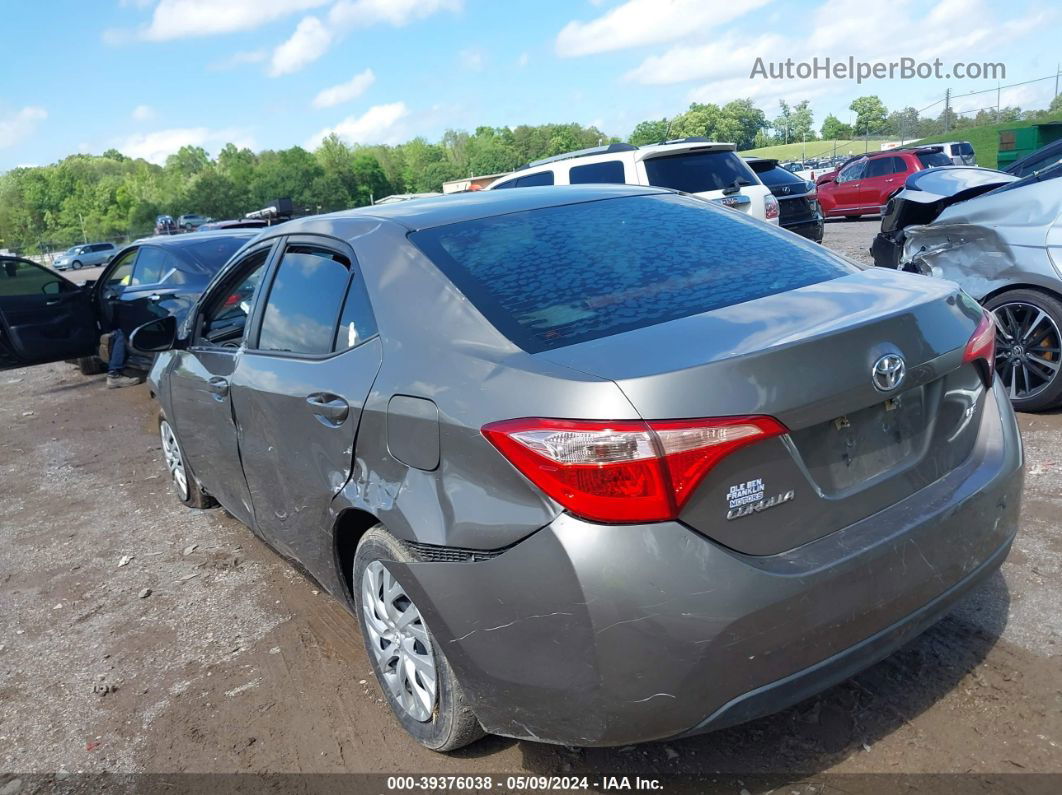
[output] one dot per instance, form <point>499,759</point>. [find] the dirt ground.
<point>138,635</point>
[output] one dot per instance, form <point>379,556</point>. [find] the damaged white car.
<point>1000,239</point>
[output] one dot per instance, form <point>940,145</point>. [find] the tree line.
<point>113,197</point>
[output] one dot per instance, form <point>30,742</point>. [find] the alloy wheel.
<point>1028,349</point>
<point>174,460</point>
<point>399,640</point>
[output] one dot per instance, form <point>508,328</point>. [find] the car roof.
<point>456,207</point>
<point>191,237</point>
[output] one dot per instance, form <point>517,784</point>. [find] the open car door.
<point>43,317</point>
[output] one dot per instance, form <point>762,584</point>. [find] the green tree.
<point>833,129</point>
<point>871,115</point>
<point>649,132</point>
<point>802,122</point>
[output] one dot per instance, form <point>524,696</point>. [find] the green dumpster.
<point>1020,142</point>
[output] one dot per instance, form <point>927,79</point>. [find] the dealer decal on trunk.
<point>750,497</point>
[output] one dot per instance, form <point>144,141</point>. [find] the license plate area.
<point>865,445</point>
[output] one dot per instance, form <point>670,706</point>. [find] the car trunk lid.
<point>806,357</point>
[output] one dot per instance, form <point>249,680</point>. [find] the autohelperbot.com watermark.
<point>827,68</point>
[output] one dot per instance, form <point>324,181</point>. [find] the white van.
<point>704,168</point>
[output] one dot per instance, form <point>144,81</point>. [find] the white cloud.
<point>470,59</point>
<point>240,59</point>
<point>312,38</point>
<point>522,60</point>
<point>636,23</point>
<point>143,113</point>
<point>309,42</point>
<point>345,92</point>
<point>16,128</point>
<point>175,19</point>
<point>380,124</point>
<point>156,146</point>
<point>363,13</point>
<point>684,62</point>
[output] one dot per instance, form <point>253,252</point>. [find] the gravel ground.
<point>137,635</point>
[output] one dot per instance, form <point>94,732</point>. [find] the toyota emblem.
<point>888,372</point>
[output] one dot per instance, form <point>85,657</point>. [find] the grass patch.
<point>985,140</point>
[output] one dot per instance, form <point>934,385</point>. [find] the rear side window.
<point>933,159</point>
<point>153,266</point>
<point>209,255</point>
<point>610,171</point>
<point>556,276</point>
<point>964,149</point>
<point>695,172</point>
<point>535,180</point>
<point>303,305</point>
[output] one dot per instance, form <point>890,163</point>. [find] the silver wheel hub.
<point>400,643</point>
<point>174,460</point>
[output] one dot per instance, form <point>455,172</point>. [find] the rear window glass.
<point>695,172</point>
<point>933,159</point>
<point>610,171</point>
<point>209,255</point>
<point>556,276</point>
<point>779,176</point>
<point>535,180</point>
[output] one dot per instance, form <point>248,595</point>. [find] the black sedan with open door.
<point>46,318</point>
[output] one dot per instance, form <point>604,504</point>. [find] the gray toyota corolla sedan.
<point>598,464</point>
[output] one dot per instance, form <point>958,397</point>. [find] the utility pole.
<point>947,109</point>
<point>1058,68</point>
<point>997,100</point>
<point>84,235</point>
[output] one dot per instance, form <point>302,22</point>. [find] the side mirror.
<point>155,336</point>
<point>51,288</point>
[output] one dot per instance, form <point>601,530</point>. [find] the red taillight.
<point>770,207</point>
<point>627,471</point>
<point>982,347</point>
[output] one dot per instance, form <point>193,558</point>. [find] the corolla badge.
<point>888,372</point>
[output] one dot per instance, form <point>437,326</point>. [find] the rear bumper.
<point>586,634</point>
<point>812,228</point>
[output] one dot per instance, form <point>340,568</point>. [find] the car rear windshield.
<point>933,159</point>
<point>556,276</point>
<point>779,176</point>
<point>695,172</point>
<point>209,255</point>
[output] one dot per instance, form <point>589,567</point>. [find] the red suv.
<point>864,185</point>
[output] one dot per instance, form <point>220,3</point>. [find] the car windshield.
<point>556,276</point>
<point>695,172</point>
<point>933,159</point>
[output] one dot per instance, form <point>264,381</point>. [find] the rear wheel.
<point>188,489</point>
<point>415,677</point>
<point>1029,347</point>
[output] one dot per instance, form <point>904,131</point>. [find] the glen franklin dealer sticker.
<point>750,497</point>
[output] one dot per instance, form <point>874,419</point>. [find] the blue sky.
<point>147,76</point>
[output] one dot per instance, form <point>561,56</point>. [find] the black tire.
<point>91,365</point>
<point>452,724</point>
<point>76,265</point>
<point>1011,308</point>
<point>192,494</point>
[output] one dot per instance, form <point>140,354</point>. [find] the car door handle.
<point>219,387</point>
<point>328,407</point>
<point>154,297</point>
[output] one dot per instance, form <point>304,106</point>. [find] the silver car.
<point>595,465</point>
<point>88,255</point>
